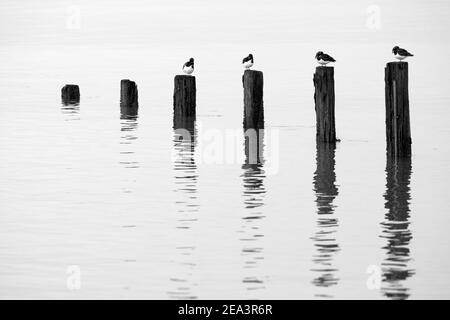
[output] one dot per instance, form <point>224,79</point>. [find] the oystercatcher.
<point>247,62</point>
<point>400,53</point>
<point>188,67</point>
<point>324,58</point>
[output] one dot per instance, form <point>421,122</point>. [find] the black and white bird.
<point>324,58</point>
<point>247,62</point>
<point>400,53</point>
<point>188,67</point>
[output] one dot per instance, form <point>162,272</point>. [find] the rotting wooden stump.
<point>253,82</point>
<point>398,130</point>
<point>70,94</point>
<point>128,98</point>
<point>184,102</point>
<point>324,104</point>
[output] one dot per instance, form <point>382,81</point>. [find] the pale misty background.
<point>81,187</point>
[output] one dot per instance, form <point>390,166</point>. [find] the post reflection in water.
<point>71,111</point>
<point>128,136</point>
<point>396,229</point>
<point>324,240</point>
<point>128,126</point>
<point>254,193</point>
<point>187,208</point>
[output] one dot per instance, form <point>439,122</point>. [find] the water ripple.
<point>396,230</point>
<point>187,208</point>
<point>254,194</point>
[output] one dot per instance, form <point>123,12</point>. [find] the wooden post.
<point>253,82</point>
<point>398,132</point>
<point>70,94</point>
<point>184,102</point>
<point>128,98</point>
<point>324,104</point>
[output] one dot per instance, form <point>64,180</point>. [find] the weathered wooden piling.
<point>70,94</point>
<point>184,102</point>
<point>253,82</point>
<point>398,131</point>
<point>128,98</point>
<point>324,104</point>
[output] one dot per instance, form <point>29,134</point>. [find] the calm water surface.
<point>144,213</point>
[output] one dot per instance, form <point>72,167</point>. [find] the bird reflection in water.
<point>187,208</point>
<point>324,240</point>
<point>254,193</point>
<point>396,229</point>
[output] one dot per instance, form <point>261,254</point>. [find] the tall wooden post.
<point>128,98</point>
<point>324,104</point>
<point>398,131</point>
<point>253,82</point>
<point>184,102</point>
<point>70,94</point>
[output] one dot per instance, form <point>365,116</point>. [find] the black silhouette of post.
<point>184,102</point>
<point>128,98</point>
<point>396,228</point>
<point>324,104</point>
<point>253,82</point>
<point>398,131</point>
<point>70,94</point>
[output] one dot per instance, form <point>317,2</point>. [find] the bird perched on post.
<point>324,58</point>
<point>188,67</point>
<point>247,62</point>
<point>400,53</point>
